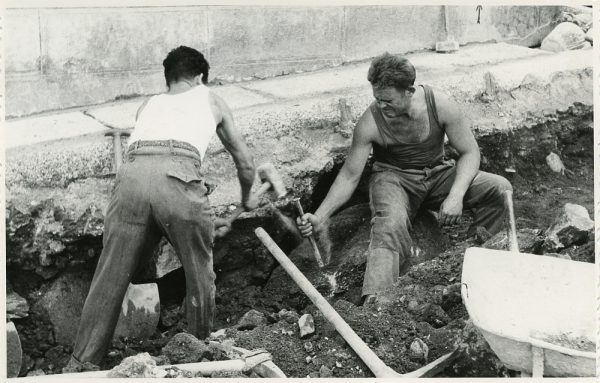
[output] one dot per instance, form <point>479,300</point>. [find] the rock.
<point>136,366</point>
<point>476,358</point>
<point>589,35</point>
<point>26,365</point>
<point>37,372</point>
<point>185,348</point>
<point>583,20</point>
<point>63,302</point>
<point>140,312</point>
<point>556,255</point>
<point>451,296</point>
<point>16,306</point>
<point>325,372</point>
<point>308,347</point>
<point>555,163</point>
<point>529,240</point>
<point>573,227</point>
<point>14,352</point>
<point>171,314</point>
<point>418,350</point>
<point>251,319</point>
<point>222,333</point>
<point>566,36</point>
<point>289,316</point>
<point>433,314</point>
<point>306,324</point>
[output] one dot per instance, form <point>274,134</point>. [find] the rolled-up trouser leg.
<point>188,224</point>
<point>391,243</point>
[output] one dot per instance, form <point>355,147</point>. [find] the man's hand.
<point>450,210</point>
<point>222,227</point>
<point>250,203</point>
<point>308,224</point>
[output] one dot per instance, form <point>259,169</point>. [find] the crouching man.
<point>405,128</point>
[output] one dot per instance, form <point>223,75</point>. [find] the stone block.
<point>16,306</point>
<point>251,319</point>
<point>573,227</point>
<point>185,348</point>
<point>140,312</point>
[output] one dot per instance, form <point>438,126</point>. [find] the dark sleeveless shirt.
<point>425,154</point>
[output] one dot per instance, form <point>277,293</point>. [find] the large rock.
<point>185,348</point>
<point>566,36</point>
<point>16,306</point>
<point>251,320</point>
<point>140,312</point>
<point>137,366</point>
<point>573,227</point>
<point>63,301</point>
<point>14,353</point>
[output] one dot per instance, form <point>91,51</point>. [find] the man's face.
<point>391,101</point>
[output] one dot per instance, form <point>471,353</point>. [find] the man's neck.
<point>181,86</point>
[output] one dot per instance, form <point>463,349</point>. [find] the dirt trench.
<point>424,304</point>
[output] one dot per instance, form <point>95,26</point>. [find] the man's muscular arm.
<point>461,138</point>
<point>346,180</point>
<point>234,144</point>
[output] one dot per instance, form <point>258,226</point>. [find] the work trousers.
<point>397,194</point>
<point>155,194</point>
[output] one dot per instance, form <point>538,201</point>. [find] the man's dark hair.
<point>185,63</point>
<point>389,70</point>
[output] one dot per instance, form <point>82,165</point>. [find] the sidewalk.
<point>509,63</point>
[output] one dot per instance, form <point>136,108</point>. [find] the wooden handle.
<point>372,361</point>
<point>512,225</point>
<point>311,239</point>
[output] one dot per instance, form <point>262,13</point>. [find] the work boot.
<point>76,366</point>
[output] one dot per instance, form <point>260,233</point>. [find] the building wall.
<point>70,57</point>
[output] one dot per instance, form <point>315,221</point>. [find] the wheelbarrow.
<point>537,313</point>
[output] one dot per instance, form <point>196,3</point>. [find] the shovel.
<point>376,365</point>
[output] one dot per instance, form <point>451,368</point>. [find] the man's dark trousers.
<point>158,191</point>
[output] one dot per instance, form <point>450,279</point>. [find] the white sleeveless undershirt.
<point>185,116</point>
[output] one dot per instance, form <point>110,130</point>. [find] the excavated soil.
<point>423,307</point>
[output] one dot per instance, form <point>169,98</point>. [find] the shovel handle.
<point>512,225</point>
<point>372,361</point>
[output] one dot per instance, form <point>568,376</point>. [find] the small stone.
<point>418,349</point>
<point>308,359</point>
<point>290,317</point>
<point>251,319</point>
<point>338,364</point>
<point>308,346</point>
<point>185,348</point>
<point>136,366</point>
<point>555,163</point>
<point>313,375</point>
<point>306,324</point>
<point>219,333</point>
<point>412,305</point>
<point>16,306</point>
<point>325,372</point>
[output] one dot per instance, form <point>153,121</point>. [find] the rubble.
<point>138,366</point>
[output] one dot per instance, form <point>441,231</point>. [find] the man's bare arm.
<point>461,138</point>
<point>234,144</point>
<point>346,181</point>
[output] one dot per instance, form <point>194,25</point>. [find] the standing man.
<point>160,191</point>
<point>405,128</point>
